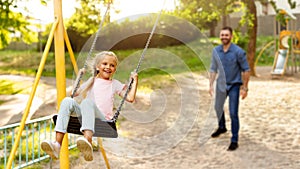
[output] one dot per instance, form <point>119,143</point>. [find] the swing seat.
<point>102,128</point>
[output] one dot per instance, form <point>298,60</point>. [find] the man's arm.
<point>213,71</point>
<point>212,77</point>
<point>244,87</point>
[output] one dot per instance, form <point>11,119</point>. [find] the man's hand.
<point>243,93</point>
<point>212,77</point>
<point>244,87</point>
<point>211,91</point>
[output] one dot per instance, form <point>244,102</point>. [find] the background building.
<point>266,15</point>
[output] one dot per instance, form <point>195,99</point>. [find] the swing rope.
<point>115,118</point>
<point>77,81</point>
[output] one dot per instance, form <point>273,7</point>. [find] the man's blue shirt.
<point>229,65</point>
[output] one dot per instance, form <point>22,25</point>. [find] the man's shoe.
<point>233,146</point>
<point>51,148</point>
<point>218,132</point>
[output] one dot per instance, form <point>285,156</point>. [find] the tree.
<point>12,22</point>
<point>86,20</point>
<point>250,19</point>
<point>205,14</point>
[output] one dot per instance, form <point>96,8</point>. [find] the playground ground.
<point>269,130</point>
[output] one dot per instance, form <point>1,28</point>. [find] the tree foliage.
<point>205,14</point>
<point>281,17</point>
<point>87,17</point>
<point>86,21</point>
<point>14,26</point>
<point>133,34</point>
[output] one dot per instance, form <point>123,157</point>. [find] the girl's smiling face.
<point>107,67</point>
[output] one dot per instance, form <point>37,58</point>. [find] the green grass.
<point>9,87</point>
<point>27,62</point>
<point>267,57</point>
<point>182,59</point>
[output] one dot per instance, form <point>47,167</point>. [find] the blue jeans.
<point>234,95</point>
<point>87,109</point>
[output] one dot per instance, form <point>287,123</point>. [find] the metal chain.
<point>116,115</point>
<point>78,79</point>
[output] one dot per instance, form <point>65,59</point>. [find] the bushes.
<point>133,34</point>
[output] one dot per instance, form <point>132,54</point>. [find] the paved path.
<point>44,102</point>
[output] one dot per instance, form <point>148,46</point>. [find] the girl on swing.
<point>98,103</point>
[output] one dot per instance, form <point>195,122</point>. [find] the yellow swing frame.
<point>59,33</point>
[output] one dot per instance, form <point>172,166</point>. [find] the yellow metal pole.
<point>68,44</point>
<point>103,153</point>
<point>35,84</point>
<point>59,47</point>
<point>261,52</point>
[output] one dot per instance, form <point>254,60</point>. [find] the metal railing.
<point>29,150</point>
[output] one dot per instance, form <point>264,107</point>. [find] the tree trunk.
<point>224,19</point>
<point>212,32</point>
<point>252,32</point>
<point>212,28</point>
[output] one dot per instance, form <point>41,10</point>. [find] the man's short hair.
<point>227,28</point>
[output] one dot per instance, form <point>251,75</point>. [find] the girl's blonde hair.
<point>92,64</point>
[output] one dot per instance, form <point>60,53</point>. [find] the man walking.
<point>229,61</point>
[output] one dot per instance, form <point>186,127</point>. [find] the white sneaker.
<point>85,147</point>
<point>51,148</point>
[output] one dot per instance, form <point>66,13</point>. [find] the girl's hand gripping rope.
<point>81,72</point>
